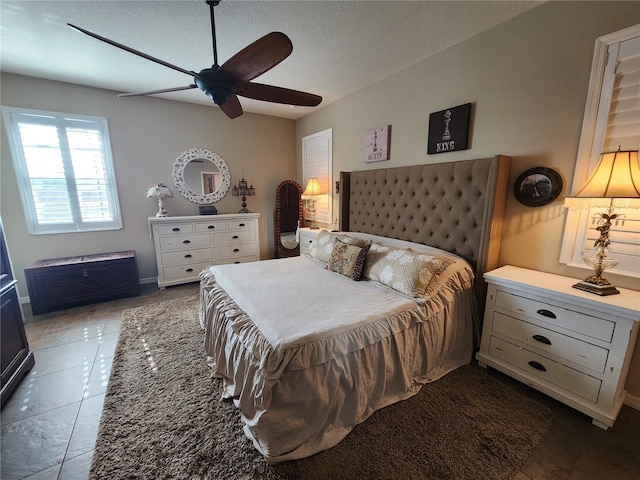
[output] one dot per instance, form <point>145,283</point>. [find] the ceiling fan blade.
<point>269,93</point>
<point>231,106</point>
<point>255,59</point>
<point>131,50</point>
<point>153,92</point>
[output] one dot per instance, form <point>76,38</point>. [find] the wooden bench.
<point>66,282</point>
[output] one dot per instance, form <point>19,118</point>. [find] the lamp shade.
<point>615,182</point>
<point>159,190</point>
<point>313,189</point>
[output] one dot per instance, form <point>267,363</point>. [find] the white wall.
<point>528,80</point>
<point>147,135</point>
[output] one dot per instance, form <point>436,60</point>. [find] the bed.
<point>306,353</point>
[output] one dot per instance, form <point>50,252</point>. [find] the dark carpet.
<point>163,419</point>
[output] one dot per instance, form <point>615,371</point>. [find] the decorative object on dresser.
<point>160,192</point>
<point>537,186</point>
<point>186,245</point>
<point>289,216</point>
<point>17,359</point>
<point>244,190</point>
<point>201,176</point>
<point>307,236</point>
<point>65,282</point>
<point>615,183</point>
<point>312,192</point>
<point>566,343</point>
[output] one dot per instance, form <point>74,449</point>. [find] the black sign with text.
<point>449,129</point>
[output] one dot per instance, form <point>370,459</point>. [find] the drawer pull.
<point>241,225</point>
<point>542,339</point>
<point>175,229</point>
<point>235,237</point>
<point>236,250</point>
<point>189,270</point>
<point>236,262</point>
<point>186,241</point>
<point>188,255</point>
<point>211,227</point>
<point>546,313</point>
<point>537,366</point>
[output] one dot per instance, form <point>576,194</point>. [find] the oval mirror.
<point>288,217</point>
<point>201,176</point>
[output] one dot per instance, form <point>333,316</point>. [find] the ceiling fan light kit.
<point>224,83</point>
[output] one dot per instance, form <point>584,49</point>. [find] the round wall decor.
<point>537,186</point>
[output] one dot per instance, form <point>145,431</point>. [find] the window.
<point>317,162</point>
<point>64,171</point>
<point>611,120</point>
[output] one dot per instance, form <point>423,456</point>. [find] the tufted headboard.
<point>454,206</point>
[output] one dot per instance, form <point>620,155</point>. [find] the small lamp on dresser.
<point>615,183</point>
<point>160,191</point>
<point>312,192</point>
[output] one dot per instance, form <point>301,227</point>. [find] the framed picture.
<point>537,186</point>
<point>210,182</point>
<point>377,144</point>
<point>449,129</point>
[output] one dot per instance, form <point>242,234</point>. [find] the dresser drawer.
<point>234,251</point>
<point>214,226</point>
<point>187,256</point>
<point>175,229</point>
<point>241,225</point>
<point>244,259</point>
<point>184,241</point>
<point>567,378</point>
<point>233,237</point>
<point>552,314</point>
<point>185,271</point>
<point>562,346</point>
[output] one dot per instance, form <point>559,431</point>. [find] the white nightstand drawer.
<point>245,259</point>
<point>184,241</point>
<point>185,271</point>
<point>234,251</point>
<point>187,256</point>
<point>553,314</point>
<point>234,237</point>
<point>175,229</point>
<point>218,226</point>
<point>562,346</point>
<point>553,372</point>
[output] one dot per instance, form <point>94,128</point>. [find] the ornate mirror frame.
<point>200,154</point>
<point>281,250</point>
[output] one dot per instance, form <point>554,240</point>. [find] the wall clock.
<point>537,186</point>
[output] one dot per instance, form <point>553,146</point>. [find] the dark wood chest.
<point>65,282</point>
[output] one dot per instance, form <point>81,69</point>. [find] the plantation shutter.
<point>317,162</point>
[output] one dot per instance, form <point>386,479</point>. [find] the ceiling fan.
<point>223,83</point>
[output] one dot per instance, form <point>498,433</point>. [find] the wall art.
<point>537,186</point>
<point>377,144</point>
<point>449,129</point>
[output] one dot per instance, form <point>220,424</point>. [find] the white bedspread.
<point>307,354</point>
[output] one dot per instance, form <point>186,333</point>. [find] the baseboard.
<point>632,401</point>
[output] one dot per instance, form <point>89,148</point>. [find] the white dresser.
<point>572,345</point>
<point>186,245</point>
<point>307,236</point>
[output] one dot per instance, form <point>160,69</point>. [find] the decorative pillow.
<point>403,269</point>
<point>347,260</point>
<point>322,246</point>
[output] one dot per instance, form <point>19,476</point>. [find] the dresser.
<point>186,245</point>
<point>572,345</point>
<point>307,236</point>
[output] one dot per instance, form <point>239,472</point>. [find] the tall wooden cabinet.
<point>17,360</point>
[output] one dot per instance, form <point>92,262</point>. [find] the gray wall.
<point>147,135</point>
<point>528,81</point>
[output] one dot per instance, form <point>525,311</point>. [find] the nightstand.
<point>571,345</point>
<point>308,235</point>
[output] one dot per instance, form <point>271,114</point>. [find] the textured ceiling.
<point>338,47</point>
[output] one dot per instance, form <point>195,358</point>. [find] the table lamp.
<point>615,183</point>
<point>160,191</point>
<point>312,192</point>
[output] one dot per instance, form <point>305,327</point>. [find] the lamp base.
<point>602,290</point>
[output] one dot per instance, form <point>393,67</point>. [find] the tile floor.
<point>49,425</point>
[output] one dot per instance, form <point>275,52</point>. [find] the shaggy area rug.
<point>163,419</point>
